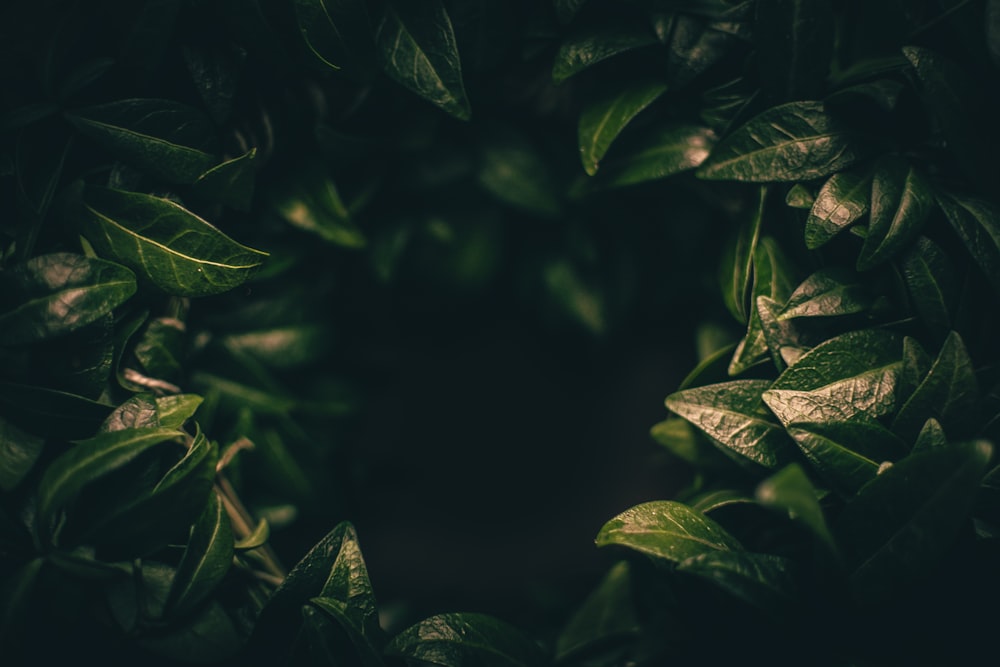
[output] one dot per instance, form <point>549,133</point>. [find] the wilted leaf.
<point>667,530</point>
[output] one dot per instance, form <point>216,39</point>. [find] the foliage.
<point>201,197</point>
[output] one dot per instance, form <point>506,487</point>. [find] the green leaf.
<point>931,436</point>
<point>175,410</point>
<point>799,196</point>
<point>932,284</point>
<point>338,33</point>
<point>679,438</point>
<point>828,293</point>
<point>515,172</point>
<point>900,525</point>
<point>607,614</point>
<point>797,141</point>
<point>900,204</point>
<point>311,201</point>
<point>694,47</point>
<point>666,151</point>
<point>977,223</point>
<point>666,530</point>
<point>843,357</point>
<point>139,411</point>
<point>949,393</point>
<point>215,68</point>
<point>175,250</point>
<point>206,560</point>
<point>454,640</point>
<point>340,612</point>
<point>417,46</point>
<point>736,270</point>
<point>290,346</point>
<point>230,183</point>
<point>733,415</point>
<point>160,351</point>
<point>172,141</point>
<point>764,581</point>
<point>86,462</point>
<point>51,295</point>
<point>784,340</point>
<point>17,590</point>
<point>591,45</point>
<point>18,453</point>
<point>604,119</point>
<point>916,365</point>
<point>51,413</point>
<point>844,198</point>
<point>261,533</point>
<point>791,491</point>
<point>710,501</point>
<point>794,42</point>
<point>567,9</point>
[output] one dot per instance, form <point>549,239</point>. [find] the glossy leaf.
<point>781,337</point>
<point>86,462</point>
<point>174,411</point>
<point>796,141</point>
<point>669,150</point>
<point>230,183</point>
<point>842,357</point>
<point>794,42</point>
<point>764,581</point>
<point>592,45</point>
<point>139,411</point>
<point>180,253</point>
<point>710,501</point>
<point>791,491</point>
<point>604,119</point>
<point>949,393</point>
<point>453,640</point>
<point>206,560</point>
<point>844,198</point>
<point>977,223</point>
<point>172,141</point>
<point>666,530</point>
<point>827,293</point>
<point>733,415</point>
<point>931,436</point>
<point>18,453</point>
<point>417,46</point>
<point>932,284</point>
<point>607,614</point>
<point>338,33</point>
<point>899,526</point>
<point>900,204</point>
<point>55,294</point>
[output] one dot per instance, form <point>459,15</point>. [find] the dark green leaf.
<point>338,33</point>
<point>79,362</point>
<point>418,50</point>
<point>903,521</point>
<point>206,560</point>
<point>791,491</point>
<point>604,119</point>
<point>40,156</point>
<point>17,589</point>
<point>797,141</point>
<point>215,69</point>
<point>666,530</point>
<point>710,501</point>
<point>794,42</point>
<point>977,223</point>
<point>710,369</point>
<point>172,141</point>
<point>785,342</point>
<point>18,453</point>
<point>608,613</point>
<point>764,581</point>
<point>931,436</point>
<point>453,640</point>
<point>668,150</point>
<point>842,200</point>
<point>515,172</point>
<point>900,204</point>
<point>311,201</point>
<point>283,347</point>
<point>949,393</point>
<point>51,413</point>
<point>257,538</point>
<point>733,415</point>
<point>169,246</point>
<point>88,461</point>
<point>694,47</point>
<point>799,196</point>
<point>341,612</point>
<point>591,45</point>
<point>680,439</point>
<point>230,183</point>
<point>828,293</point>
<point>916,365</point>
<point>174,411</point>
<point>54,294</point>
<point>736,270</point>
<point>567,9</point>
<point>932,284</point>
<point>160,350</point>
<point>855,353</point>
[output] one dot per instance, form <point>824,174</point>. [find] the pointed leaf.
<point>843,200</point>
<point>230,183</point>
<point>453,640</point>
<point>516,173</point>
<point>899,525</point>
<point>931,436</point>
<point>51,295</point>
<point>977,223</point>
<point>139,411</point>
<point>311,201</point>
<point>785,342</point>
<point>172,141</point>
<point>932,284</point>
<point>764,581</point>
<point>791,491</point>
<point>261,533</point>
<point>733,415</point>
<point>417,45</point>
<point>169,246</point>
<point>668,150</point>
<point>736,270</point>
<point>842,357</point>
<point>792,142</point>
<point>340,612</point>
<point>916,365</point>
<point>680,439</point>
<point>828,293</point>
<point>900,204</point>
<point>666,530</point>
<point>799,196</point>
<point>604,119</point>
<point>206,560</point>
<point>591,45</point>
<point>174,411</point>
<point>608,613</point>
<point>350,588</point>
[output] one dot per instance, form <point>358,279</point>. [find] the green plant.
<point>213,210</point>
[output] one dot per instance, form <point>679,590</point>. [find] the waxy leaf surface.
<point>456,639</point>
<point>604,119</point>
<point>667,530</point>
<point>843,200</point>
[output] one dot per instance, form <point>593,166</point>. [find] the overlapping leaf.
<point>604,119</point>
<point>666,530</point>
<point>455,639</point>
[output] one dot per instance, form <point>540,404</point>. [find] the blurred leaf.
<point>843,199</point>
<point>791,491</point>
<point>667,530</point>
<point>604,119</point>
<point>567,9</point>
<point>51,413</point>
<point>206,560</point>
<point>338,33</point>
<point>341,613</point>
<point>417,45</point>
<point>54,294</point>
<point>680,439</point>
<point>694,47</point>
<point>215,69</point>
<point>764,581</point>
<point>932,284</point>
<point>591,45</point>
<point>230,183</point>
<point>18,453</point>
<point>139,411</point>
<point>796,141</point>
<point>453,640</point>
<point>515,172</point>
<point>902,523</point>
<point>180,253</point>
<point>828,293</point>
<point>977,223</point>
<point>608,613</point>
<point>901,201</point>
<point>283,347</point>
<point>172,141</point>
<point>799,196</point>
<point>794,41</point>
<point>667,150</point>
<point>17,589</point>
<point>310,201</point>
<point>732,414</point>
<point>261,533</point>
